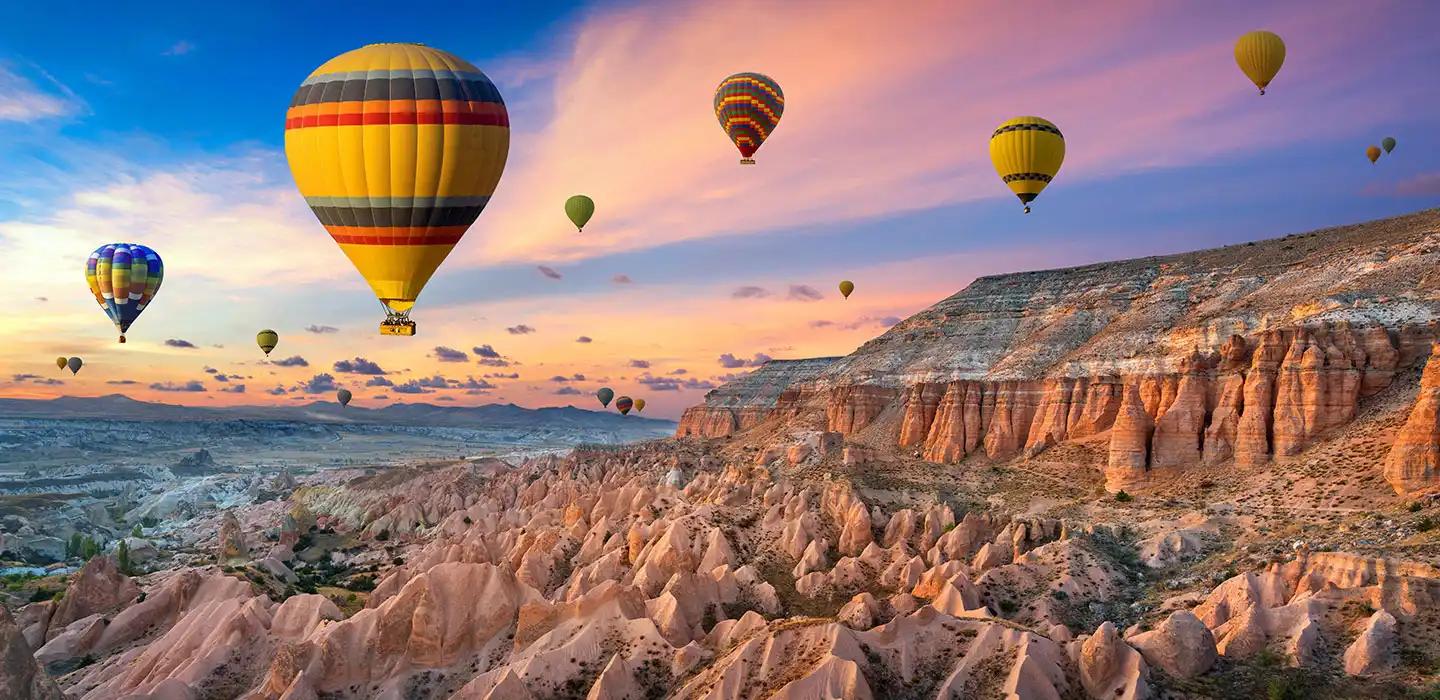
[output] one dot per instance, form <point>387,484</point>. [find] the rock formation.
<point>1413,467</point>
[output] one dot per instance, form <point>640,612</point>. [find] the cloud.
<point>730,361</point>
<point>584,339</point>
<point>567,391</point>
<point>640,364</point>
<point>276,391</point>
<point>292,361</point>
<point>560,378</point>
<point>359,365</point>
<point>679,371</point>
<point>23,377</point>
<point>412,387</point>
<point>234,389</point>
<point>179,48</point>
<point>821,324</point>
<point>498,375</point>
<point>485,351</point>
<point>671,383</point>
<point>42,298</point>
<point>190,386</point>
<point>622,279</point>
<point>750,292</point>
<point>521,329</point>
<point>379,381</point>
<point>548,272</point>
<point>473,385</point>
<point>179,343</point>
<point>445,354</point>
<point>34,379</point>
<point>122,382</point>
<point>211,370</point>
<point>803,292</point>
<point>1422,185</point>
<point>221,378</point>
<point>494,363</point>
<point>319,384</point>
<point>862,322</point>
<point>380,397</point>
<point>21,100</point>
<point>312,328</point>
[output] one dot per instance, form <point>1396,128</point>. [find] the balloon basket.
<point>122,338</point>
<point>747,161</point>
<point>406,328</point>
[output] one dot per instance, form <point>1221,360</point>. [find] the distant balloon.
<point>624,404</point>
<point>639,405</point>
<point>579,208</point>
<point>846,286</point>
<point>1373,153</point>
<point>74,364</point>
<point>343,396</point>
<point>267,340</point>
<point>397,148</point>
<point>748,106</point>
<point>1388,143</point>
<point>60,362</point>
<point>1260,54</point>
<point>1027,153</point>
<point>124,277</point>
<point>605,395</point>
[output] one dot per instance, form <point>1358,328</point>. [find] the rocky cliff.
<point>744,402</point>
<point>1240,353</point>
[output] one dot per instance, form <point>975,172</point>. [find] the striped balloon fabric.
<point>748,106</point>
<point>397,149</point>
<point>124,277</point>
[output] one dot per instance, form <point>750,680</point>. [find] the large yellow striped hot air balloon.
<point>1027,153</point>
<point>1260,55</point>
<point>397,149</point>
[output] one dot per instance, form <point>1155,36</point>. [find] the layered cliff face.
<point>1241,353</point>
<point>744,402</point>
<point>1413,465</point>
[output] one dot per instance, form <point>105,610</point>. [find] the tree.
<point>136,532</point>
<point>72,548</point>
<point>122,556</point>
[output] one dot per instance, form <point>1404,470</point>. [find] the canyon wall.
<point>742,403</point>
<point>1241,353</point>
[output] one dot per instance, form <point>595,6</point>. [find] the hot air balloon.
<point>605,395</point>
<point>74,364</point>
<point>846,286</point>
<point>1373,153</point>
<point>1027,153</point>
<point>267,340</point>
<point>397,149</point>
<point>124,278</point>
<point>639,405</point>
<point>579,208</point>
<point>623,405</point>
<point>1260,54</point>
<point>1388,143</point>
<point>60,362</point>
<point>748,106</point>
<point>343,396</point>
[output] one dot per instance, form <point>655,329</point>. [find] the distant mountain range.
<point>120,407</point>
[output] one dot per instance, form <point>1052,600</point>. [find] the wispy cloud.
<point>750,292</point>
<point>622,279</point>
<point>21,100</point>
<point>584,339</point>
<point>179,48</point>
<point>192,386</point>
<point>292,361</point>
<point>803,292</point>
<point>358,365</point>
<point>521,329</point>
<point>313,328</point>
<point>548,272</point>
<point>730,361</point>
<point>445,354</point>
<point>179,343</point>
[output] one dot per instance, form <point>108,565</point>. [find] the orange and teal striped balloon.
<point>124,277</point>
<point>397,148</point>
<point>748,106</point>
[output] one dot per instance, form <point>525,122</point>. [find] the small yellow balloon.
<point>1260,54</point>
<point>639,405</point>
<point>846,286</point>
<point>60,362</point>
<point>267,340</point>
<point>1373,153</point>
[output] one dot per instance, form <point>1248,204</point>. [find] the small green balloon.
<point>579,208</point>
<point>605,395</point>
<point>1388,144</point>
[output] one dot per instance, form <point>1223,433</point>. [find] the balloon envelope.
<point>624,404</point>
<point>124,277</point>
<point>579,208</point>
<point>397,149</point>
<point>1027,153</point>
<point>1388,144</point>
<point>605,395</point>
<point>748,106</point>
<point>1373,153</point>
<point>639,405</point>
<point>1260,55</point>
<point>60,362</point>
<point>74,364</point>
<point>846,287</point>
<point>267,340</point>
<point>343,396</point>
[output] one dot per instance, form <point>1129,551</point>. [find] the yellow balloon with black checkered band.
<point>397,149</point>
<point>1027,153</point>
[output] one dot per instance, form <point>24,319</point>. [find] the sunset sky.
<point>166,128</point>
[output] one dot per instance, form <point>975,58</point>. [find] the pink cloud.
<point>889,111</point>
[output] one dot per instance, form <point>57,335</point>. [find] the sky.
<point>165,127</point>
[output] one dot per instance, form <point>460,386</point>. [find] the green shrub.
<point>1123,497</point>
